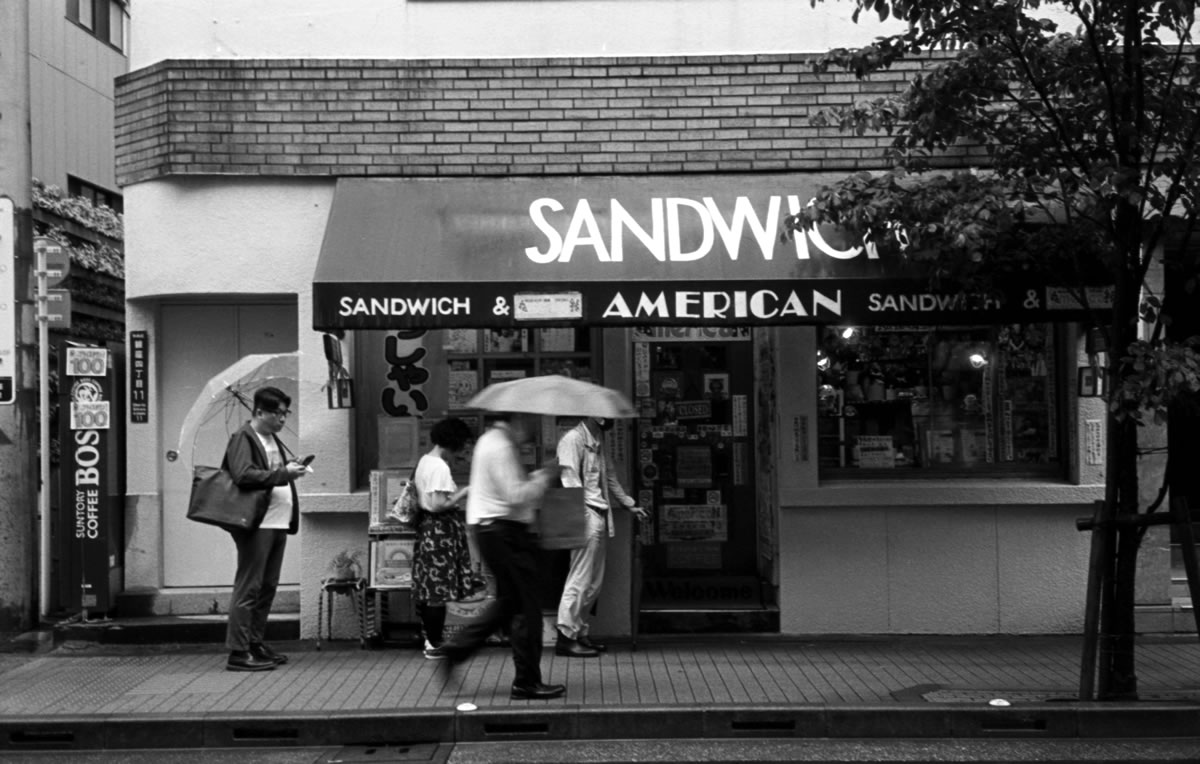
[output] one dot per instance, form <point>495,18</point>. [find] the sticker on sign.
<point>90,415</point>
<point>87,362</point>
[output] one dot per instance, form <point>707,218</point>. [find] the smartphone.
<point>308,459</point>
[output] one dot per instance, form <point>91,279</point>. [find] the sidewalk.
<point>88,696</point>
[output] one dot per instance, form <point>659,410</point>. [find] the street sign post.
<point>8,303</point>
<point>57,260</point>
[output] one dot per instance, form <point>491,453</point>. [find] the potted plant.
<point>346,566</point>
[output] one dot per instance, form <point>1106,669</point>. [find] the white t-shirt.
<point>279,510</point>
<point>432,476</point>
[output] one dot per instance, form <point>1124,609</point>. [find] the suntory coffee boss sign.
<point>690,250</point>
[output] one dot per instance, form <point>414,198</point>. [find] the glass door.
<point>695,470</point>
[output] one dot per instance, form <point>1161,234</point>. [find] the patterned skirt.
<point>441,559</point>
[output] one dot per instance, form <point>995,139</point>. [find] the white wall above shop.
<point>225,235</point>
<point>414,29</point>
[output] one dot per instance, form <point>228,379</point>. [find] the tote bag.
<point>562,519</point>
<point>217,500</point>
<point>406,510</point>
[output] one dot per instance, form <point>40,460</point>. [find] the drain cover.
<point>381,754</point>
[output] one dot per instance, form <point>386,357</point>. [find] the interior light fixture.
<point>978,359</point>
<point>848,332</point>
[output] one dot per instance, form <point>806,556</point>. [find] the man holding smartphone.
<point>255,459</point>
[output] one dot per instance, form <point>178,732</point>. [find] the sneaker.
<point>434,653</point>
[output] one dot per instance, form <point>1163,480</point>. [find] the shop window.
<point>926,401</point>
<point>477,358</point>
<point>428,375</point>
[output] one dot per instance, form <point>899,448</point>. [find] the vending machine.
<point>90,529</point>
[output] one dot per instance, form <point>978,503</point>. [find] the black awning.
<point>615,251</point>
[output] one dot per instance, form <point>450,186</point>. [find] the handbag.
<point>406,509</point>
<point>217,500</point>
<point>562,520</point>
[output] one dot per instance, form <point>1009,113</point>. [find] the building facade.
<point>57,154</point>
<point>426,203</point>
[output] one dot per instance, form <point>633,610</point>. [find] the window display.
<point>950,399</point>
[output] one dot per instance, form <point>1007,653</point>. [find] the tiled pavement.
<point>100,696</point>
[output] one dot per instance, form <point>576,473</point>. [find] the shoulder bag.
<point>217,500</point>
<point>562,520</point>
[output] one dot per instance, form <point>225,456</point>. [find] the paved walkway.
<point>87,695</point>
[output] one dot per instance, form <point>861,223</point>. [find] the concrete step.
<point>167,629</point>
<point>1177,617</point>
<point>198,600</point>
<point>708,621</point>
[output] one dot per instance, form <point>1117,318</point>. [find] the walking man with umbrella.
<point>501,506</point>
<point>584,464</point>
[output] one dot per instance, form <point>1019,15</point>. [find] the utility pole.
<point>19,521</point>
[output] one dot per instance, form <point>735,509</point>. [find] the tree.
<point>1089,173</point>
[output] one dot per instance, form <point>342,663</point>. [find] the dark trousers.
<point>259,560</point>
<point>510,552</point>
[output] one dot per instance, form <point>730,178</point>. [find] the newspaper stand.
<point>389,575</point>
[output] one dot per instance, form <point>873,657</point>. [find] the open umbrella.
<point>227,398</point>
<point>553,395</point>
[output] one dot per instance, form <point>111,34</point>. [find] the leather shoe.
<point>597,646</point>
<point>537,691</point>
<point>573,648</point>
<point>264,652</point>
<point>239,661</point>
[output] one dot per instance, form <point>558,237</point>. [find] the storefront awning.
<point>615,251</point>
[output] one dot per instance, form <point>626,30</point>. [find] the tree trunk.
<point>1117,671</point>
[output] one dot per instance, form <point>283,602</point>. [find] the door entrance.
<point>695,468</point>
<point>196,342</point>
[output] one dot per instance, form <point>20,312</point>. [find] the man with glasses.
<point>255,457</point>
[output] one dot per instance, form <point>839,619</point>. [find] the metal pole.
<point>1096,581</point>
<point>43,328</point>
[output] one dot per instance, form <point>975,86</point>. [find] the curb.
<point>225,729</point>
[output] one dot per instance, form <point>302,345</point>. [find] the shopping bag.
<point>562,519</point>
<point>406,509</point>
<point>217,500</point>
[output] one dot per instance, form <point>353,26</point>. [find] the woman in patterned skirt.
<point>441,558</point>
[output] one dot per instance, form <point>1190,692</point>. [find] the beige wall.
<point>71,99</point>
<point>913,556</point>
<point>207,29</point>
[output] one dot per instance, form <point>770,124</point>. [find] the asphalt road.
<point>807,751</point>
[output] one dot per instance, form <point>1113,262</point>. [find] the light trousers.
<point>584,579</point>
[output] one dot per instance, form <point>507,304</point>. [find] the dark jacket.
<point>247,463</point>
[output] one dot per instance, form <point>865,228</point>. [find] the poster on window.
<point>460,340</point>
<point>876,452</point>
<point>506,341</point>
<point>391,562</point>
<point>693,522</point>
<point>693,466</point>
<point>464,383</point>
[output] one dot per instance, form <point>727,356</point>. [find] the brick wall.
<point>385,118</point>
